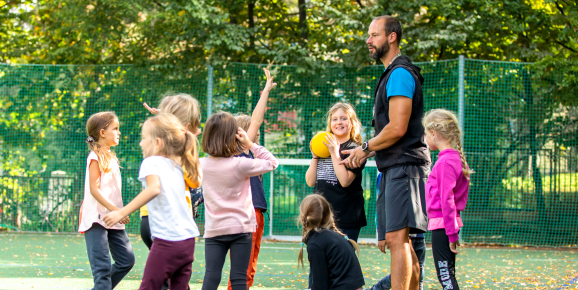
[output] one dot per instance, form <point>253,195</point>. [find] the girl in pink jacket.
<point>446,191</point>
<point>229,213</point>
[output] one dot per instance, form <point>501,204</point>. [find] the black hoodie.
<point>411,148</point>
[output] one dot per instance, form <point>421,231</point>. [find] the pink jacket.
<point>447,193</point>
<point>227,193</point>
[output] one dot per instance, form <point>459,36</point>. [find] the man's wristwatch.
<point>365,147</point>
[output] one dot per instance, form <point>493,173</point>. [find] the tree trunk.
<point>251,8</point>
<point>534,143</point>
<point>303,21</point>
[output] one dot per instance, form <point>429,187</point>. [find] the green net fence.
<point>517,139</point>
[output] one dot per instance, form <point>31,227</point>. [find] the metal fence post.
<point>271,202</point>
<point>461,109</point>
<point>210,92</point>
<point>461,100</point>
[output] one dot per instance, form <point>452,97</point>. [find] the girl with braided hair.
<point>102,195</point>
<point>331,254</point>
<point>446,191</point>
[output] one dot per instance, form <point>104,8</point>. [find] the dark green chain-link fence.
<point>518,139</point>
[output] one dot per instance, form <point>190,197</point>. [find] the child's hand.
<point>332,144</point>
<point>113,218</point>
<point>125,221</point>
<point>453,247</point>
<point>314,156</point>
<point>153,111</point>
<point>243,138</point>
<point>270,84</point>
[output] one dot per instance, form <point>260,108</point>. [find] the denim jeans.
<point>99,241</point>
<point>419,248</point>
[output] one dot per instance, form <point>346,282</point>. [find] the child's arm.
<point>446,181</point>
<point>344,176</point>
<point>153,189</point>
<point>264,161</point>
<point>261,107</point>
<point>318,267</point>
<point>94,180</point>
<point>311,175</point>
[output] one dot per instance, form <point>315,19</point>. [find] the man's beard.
<point>380,52</point>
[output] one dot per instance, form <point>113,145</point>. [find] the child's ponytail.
<point>189,162</point>
<point>304,239</point>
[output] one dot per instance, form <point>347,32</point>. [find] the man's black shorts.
<point>401,200</point>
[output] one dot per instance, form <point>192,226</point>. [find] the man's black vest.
<point>411,148</point>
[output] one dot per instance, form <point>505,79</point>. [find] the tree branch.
<point>563,14</point>
<point>559,8</point>
<point>442,48</point>
<point>359,2</point>
<point>262,44</point>
<point>568,48</point>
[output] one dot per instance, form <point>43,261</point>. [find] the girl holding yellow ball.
<point>341,186</point>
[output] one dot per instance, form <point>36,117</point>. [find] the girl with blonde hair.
<point>340,185</point>
<point>168,148</point>
<point>446,191</point>
<point>187,110</point>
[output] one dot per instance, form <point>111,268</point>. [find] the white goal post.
<point>299,162</point>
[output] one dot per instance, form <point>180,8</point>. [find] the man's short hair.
<point>391,24</point>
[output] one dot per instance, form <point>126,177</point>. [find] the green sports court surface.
<point>44,261</point>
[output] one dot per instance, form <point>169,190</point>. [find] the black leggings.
<point>145,234</point>
<point>444,259</point>
<point>216,249</point>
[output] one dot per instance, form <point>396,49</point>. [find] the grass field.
<point>44,261</point>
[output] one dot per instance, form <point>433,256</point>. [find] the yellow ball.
<point>317,145</point>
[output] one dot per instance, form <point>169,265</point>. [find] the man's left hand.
<point>356,157</point>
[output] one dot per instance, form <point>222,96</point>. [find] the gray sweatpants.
<point>98,242</point>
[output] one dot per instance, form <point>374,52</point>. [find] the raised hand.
<point>153,111</point>
<point>270,84</point>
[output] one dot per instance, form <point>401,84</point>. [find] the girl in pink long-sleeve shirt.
<point>229,214</point>
<point>446,191</point>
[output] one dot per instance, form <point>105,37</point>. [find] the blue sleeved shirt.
<point>400,83</point>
